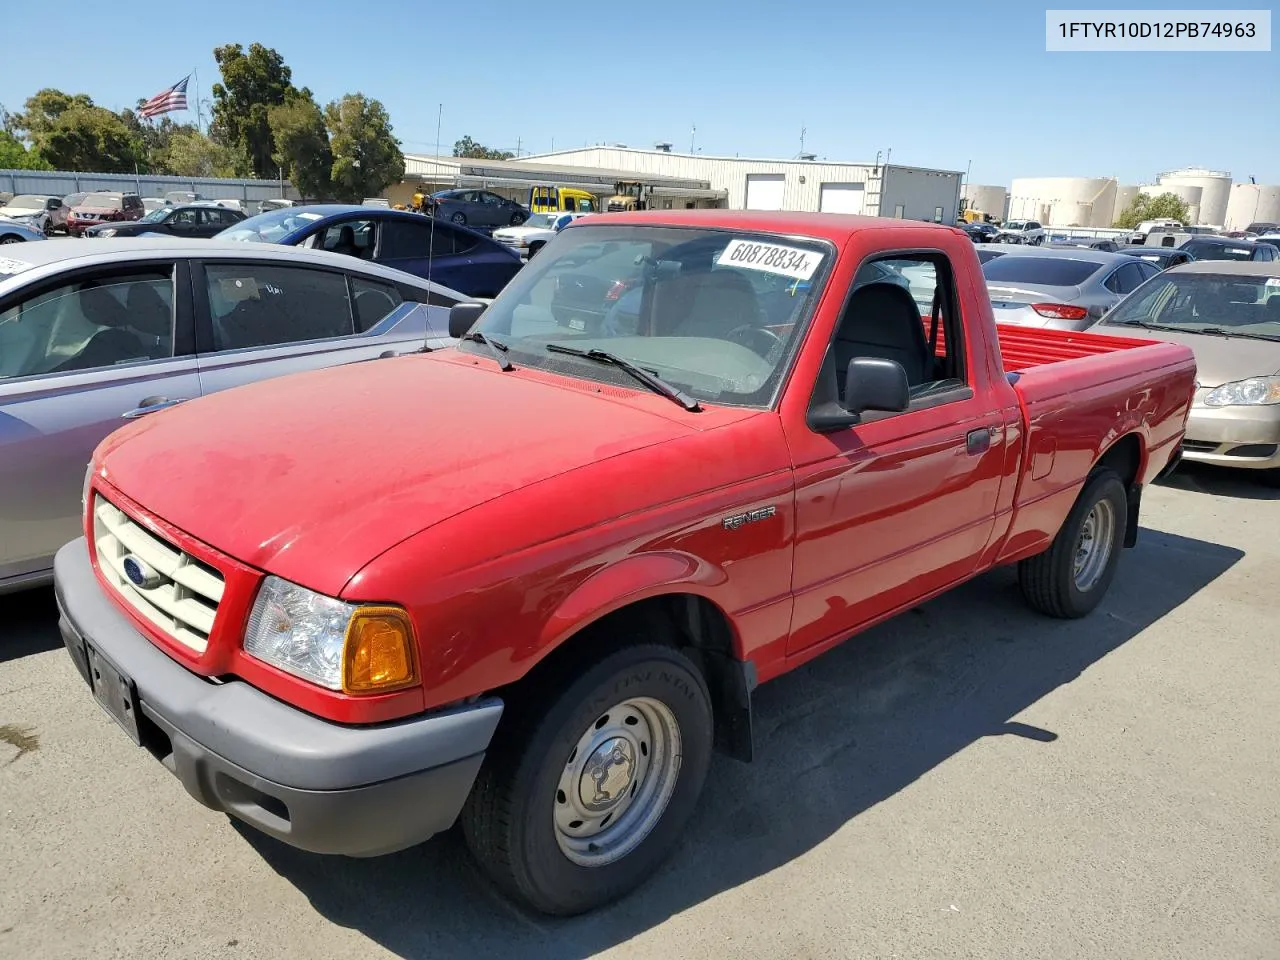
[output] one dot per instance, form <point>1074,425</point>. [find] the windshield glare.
<point>1193,301</point>
<point>102,201</point>
<point>270,227</point>
<point>545,220</point>
<point>26,201</point>
<point>715,313</point>
<point>155,216</point>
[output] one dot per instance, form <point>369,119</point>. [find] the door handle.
<point>978,441</point>
<point>151,405</point>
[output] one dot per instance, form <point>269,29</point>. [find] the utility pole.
<point>802,133</point>
<point>519,143</point>
<point>692,136</point>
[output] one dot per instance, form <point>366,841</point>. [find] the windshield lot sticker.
<point>796,262</point>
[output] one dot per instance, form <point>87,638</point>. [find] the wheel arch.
<point>1127,456</point>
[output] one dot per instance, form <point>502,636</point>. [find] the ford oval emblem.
<point>140,574</point>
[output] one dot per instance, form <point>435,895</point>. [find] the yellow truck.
<point>553,199</point>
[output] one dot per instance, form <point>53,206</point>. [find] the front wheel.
<point>1070,578</point>
<point>517,218</point>
<point>582,798</point>
<point>11,238</point>
<point>459,218</point>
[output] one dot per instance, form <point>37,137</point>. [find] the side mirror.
<point>463,316</point>
<point>872,383</point>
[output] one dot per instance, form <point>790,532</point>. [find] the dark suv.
<point>104,208</point>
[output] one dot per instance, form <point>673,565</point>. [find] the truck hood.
<point>1219,360</point>
<point>311,476</point>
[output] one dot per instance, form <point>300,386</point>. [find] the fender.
<point>636,577</point>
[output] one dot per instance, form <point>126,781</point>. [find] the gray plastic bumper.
<point>317,785</point>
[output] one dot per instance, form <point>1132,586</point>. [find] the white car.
<point>38,211</point>
<point>532,235</point>
<point>1021,231</point>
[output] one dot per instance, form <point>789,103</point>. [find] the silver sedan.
<point>1063,289</point>
<point>93,335</point>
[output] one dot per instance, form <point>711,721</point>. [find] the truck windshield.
<point>1195,301</point>
<point>716,314</point>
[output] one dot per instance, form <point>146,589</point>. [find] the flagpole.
<point>196,76</point>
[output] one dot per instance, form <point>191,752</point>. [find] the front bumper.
<point>316,785</point>
<point>1245,437</point>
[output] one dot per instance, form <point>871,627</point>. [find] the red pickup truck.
<point>531,582</point>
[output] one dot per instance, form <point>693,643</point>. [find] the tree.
<point>366,155</point>
<point>189,153</point>
<point>302,143</point>
<point>44,108</point>
<point>1166,206</point>
<point>466,147</point>
<point>15,156</point>
<point>251,85</point>
<point>91,139</point>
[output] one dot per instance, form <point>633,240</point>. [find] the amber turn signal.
<point>378,654</point>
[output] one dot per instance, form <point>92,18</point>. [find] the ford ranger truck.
<point>530,582</point>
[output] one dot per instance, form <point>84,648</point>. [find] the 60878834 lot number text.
<point>770,257</point>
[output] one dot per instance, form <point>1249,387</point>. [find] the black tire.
<point>11,238</point>
<point>459,218</point>
<point>1048,580</point>
<point>509,821</point>
<point>517,219</point>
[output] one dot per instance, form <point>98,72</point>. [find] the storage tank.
<point>1084,201</point>
<point>1188,194</point>
<point>986,199</point>
<point>1124,196</point>
<point>1251,203</point>
<point>1215,186</point>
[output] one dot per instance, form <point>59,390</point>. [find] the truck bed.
<point>1022,348</point>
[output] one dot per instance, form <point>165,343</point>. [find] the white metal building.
<point>1215,190</point>
<point>987,199</point>
<point>890,190</point>
<point>1252,203</point>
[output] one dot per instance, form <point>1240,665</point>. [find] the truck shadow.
<point>833,739</point>
<point>1220,481</point>
<point>28,626</point>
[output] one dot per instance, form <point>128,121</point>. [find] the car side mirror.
<point>870,383</point>
<point>463,316</point>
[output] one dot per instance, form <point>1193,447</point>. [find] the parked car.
<point>73,200</point>
<point>19,231</point>
<point>1229,314</point>
<point>226,203</point>
<point>93,335</point>
<point>430,248</point>
<point>188,220</point>
<point>152,204</point>
<point>274,203</point>
<point>1087,243</point>
<point>45,213</point>
<point>1261,226</point>
<point>477,208</point>
<point>182,196</point>
<point>104,208</point>
<point>1063,289</point>
<point>531,236</point>
<point>1162,257</point>
<point>980,232</point>
<point>541,599</point>
<point>1220,248</point>
<point>1030,232</point>
<point>990,253</point>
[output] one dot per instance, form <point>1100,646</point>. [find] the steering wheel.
<point>756,339</point>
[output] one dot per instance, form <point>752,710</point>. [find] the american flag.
<point>167,101</point>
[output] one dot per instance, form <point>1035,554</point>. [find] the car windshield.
<point>155,216</point>
<point>1050,271</point>
<point>544,220</point>
<point>1015,225</point>
<point>716,314</point>
<point>104,201</point>
<point>1214,251</point>
<point>1195,301</point>
<point>270,227</point>
<point>27,201</point>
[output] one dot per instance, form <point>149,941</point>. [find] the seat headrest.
<point>99,306</point>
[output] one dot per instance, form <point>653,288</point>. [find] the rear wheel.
<point>459,218</point>
<point>583,797</point>
<point>1070,578</point>
<point>10,238</point>
<point>517,218</point>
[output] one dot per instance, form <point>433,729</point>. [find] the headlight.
<point>1251,392</point>
<point>337,645</point>
<point>105,232</point>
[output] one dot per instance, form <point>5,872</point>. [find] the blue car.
<point>433,249</point>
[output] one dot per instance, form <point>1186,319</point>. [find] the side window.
<point>372,300</point>
<point>184,218</point>
<point>403,239</point>
<point>902,308</point>
<point>1148,270</point>
<point>355,238</point>
<point>492,199</point>
<point>261,304</point>
<point>97,322</point>
<point>1125,280</point>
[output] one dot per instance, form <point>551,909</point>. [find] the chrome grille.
<point>184,599</point>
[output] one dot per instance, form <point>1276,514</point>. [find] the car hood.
<point>1219,360</point>
<point>95,210</point>
<point>312,476</point>
<point>516,233</point>
<point>20,212</point>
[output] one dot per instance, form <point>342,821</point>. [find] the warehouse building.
<point>809,184</point>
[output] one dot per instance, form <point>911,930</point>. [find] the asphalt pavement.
<point>969,780</point>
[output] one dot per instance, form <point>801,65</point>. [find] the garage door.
<point>764,191</point>
<point>841,197</point>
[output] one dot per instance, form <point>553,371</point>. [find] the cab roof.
<point>836,227</point>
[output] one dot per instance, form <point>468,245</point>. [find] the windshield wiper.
<point>1147,325</point>
<point>1223,332</point>
<point>653,382</point>
<point>497,349</point>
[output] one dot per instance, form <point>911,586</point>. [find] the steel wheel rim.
<point>1093,546</point>
<point>617,782</point>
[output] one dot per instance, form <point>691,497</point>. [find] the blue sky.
<point>749,74</point>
